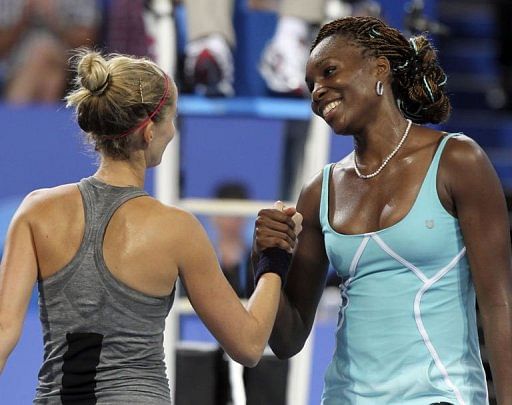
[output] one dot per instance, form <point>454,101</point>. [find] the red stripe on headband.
<point>150,116</point>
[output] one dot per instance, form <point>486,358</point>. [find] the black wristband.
<point>273,260</point>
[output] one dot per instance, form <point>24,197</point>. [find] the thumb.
<point>297,218</point>
<point>289,211</point>
<point>278,205</point>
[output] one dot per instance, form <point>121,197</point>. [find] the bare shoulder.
<point>162,212</point>
<point>465,168</point>
<point>45,200</point>
<point>462,152</point>
<point>172,219</point>
<point>313,187</point>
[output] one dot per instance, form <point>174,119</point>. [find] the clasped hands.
<point>278,226</point>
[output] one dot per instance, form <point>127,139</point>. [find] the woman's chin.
<point>153,163</point>
<point>339,128</point>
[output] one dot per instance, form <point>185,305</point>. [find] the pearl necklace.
<point>385,162</point>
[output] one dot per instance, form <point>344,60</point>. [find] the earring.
<point>379,88</point>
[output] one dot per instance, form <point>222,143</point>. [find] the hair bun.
<point>93,73</point>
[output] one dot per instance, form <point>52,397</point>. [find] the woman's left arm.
<point>18,274</point>
<point>482,212</point>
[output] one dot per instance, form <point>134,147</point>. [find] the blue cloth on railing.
<point>261,107</point>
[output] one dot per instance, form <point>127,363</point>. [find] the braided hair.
<point>418,80</point>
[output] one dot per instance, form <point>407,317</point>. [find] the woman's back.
<point>57,222</point>
<point>103,330</point>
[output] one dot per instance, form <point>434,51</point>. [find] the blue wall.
<point>214,149</point>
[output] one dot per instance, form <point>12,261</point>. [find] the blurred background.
<point>246,138</point>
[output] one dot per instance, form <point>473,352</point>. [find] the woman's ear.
<point>383,67</point>
<point>148,132</point>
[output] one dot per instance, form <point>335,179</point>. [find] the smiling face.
<point>342,84</point>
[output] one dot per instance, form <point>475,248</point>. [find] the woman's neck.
<point>121,172</point>
<point>379,139</point>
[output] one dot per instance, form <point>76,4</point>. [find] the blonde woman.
<point>106,255</point>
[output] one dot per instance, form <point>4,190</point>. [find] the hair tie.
<point>99,91</point>
<point>428,89</point>
<point>150,116</point>
<point>402,66</point>
<point>374,33</point>
<point>412,41</point>
<point>408,114</point>
<point>443,82</point>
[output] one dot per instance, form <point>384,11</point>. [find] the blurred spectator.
<point>209,60</point>
<point>34,38</point>
<point>230,241</point>
<point>124,27</point>
<point>504,25</point>
<point>208,67</point>
<point>283,63</point>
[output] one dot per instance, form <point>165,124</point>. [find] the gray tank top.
<point>103,341</point>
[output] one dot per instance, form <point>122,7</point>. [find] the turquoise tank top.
<point>406,331</point>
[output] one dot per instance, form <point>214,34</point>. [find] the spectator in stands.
<point>230,241</point>
<point>35,36</point>
<point>124,28</point>
<point>209,61</point>
<point>284,58</point>
<point>208,55</point>
<point>414,220</point>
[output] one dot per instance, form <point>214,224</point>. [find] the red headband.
<point>150,116</point>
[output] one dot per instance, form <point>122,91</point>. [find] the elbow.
<point>249,356</point>
<point>284,354</point>
<point>285,350</point>
<point>251,363</point>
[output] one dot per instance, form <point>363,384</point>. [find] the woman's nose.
<point>318,92</point>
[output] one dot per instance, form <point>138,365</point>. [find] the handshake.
<point>275,236</point>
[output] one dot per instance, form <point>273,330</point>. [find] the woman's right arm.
<point>306,278</point>
<point>18,274</point>
<point>242,333</point>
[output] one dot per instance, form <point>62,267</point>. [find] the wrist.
<point>273,260</point>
